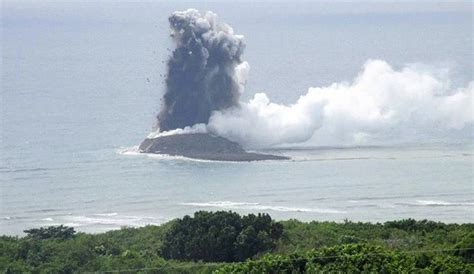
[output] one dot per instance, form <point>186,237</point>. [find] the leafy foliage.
<point>351,258</point>
<point>465,248</point>
<point>412,235</point>
<point>56,232</point>
<point>220,237</point>
<point>414,225</point>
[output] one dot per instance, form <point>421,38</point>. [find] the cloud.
<point>380,104</point>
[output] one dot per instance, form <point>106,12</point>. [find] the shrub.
<point>351,258</point>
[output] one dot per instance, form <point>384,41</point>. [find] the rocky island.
<point>202,146</point>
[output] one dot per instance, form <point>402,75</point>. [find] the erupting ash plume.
<point>382,104</point>
<point>201,74</point>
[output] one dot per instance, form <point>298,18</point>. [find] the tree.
<point>220,236</point>
<point>55,232</point>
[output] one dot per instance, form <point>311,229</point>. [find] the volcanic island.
<point>203,146</point>
<point>205,73</point>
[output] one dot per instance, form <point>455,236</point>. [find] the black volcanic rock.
<point>202,146</point>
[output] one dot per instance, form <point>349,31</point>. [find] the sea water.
<point>81,84</point>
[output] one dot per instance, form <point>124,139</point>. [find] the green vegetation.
<point>220,237</point>
<point>224,242</point>
<point>52,232</point>
<point>350,258</point>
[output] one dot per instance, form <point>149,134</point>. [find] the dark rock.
<point>202,146</point>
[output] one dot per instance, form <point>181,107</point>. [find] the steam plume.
<point>206,77</point>
<point>381,104</point>
<point>201,71</point>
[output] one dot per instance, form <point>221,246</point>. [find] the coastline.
<point>409,244</point>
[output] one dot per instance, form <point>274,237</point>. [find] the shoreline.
<point>253,243</point>
<point>167,222</point>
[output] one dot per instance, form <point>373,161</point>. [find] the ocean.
<point>82,82</point>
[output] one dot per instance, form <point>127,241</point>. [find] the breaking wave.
<point>110,220</point>
<point>436,203</point>
<point>258,206</point>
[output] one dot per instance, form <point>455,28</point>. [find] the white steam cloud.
<point>380,104</point>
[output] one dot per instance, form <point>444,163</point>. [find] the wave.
<point>433,203</point>
<point>111,219</point>
<point>406,196</point>
<point>12,218</point>
<point>106,214</point>
<point>258,206</point>
<point>134,151</point>
<point>19,170</point>
<point>179,158</point>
